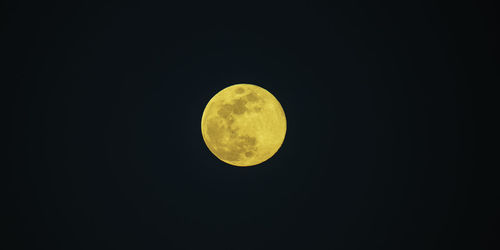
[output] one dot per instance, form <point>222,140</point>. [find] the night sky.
<point>104,104</point>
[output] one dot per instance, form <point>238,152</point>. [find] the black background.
<point>105,101</point>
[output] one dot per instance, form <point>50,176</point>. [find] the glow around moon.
<point>243,125</point>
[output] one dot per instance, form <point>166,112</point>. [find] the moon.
<point>243,125</point>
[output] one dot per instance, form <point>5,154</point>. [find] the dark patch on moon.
<point>225,110</point>
<point>239,91</point>
<point>252,97</point>
<point>239,106</point>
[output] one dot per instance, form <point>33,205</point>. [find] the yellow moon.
<point>243,125</point>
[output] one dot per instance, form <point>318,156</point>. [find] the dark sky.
<point>104,108</point>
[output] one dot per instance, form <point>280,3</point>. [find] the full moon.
<point>243,125</point>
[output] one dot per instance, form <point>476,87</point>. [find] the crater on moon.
<point>243,125</point>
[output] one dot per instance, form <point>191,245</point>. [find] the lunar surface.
<point>243,125</point>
